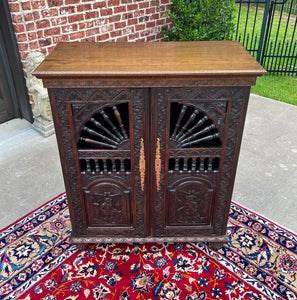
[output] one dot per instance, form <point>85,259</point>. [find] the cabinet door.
<point>104,160</point>
<point>189,130</point>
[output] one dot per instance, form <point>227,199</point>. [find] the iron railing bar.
<point>238,21</point>
<point>268,58</point>
<point>287,25</point>
<point>284,57</point>
<point>255,20</point>
<point>279,24</point>
<point>277,44</point>
<point>264,23</point>
<point>292,39</point>
<point>246,22</point>
<point>268,33</point>
<point>293,56</point>
<point>278,58</point>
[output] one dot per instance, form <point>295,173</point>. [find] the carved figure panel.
<point>189,203</point>
<point>108,205</point>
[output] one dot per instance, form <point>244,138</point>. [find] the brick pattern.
<point>40,24</point>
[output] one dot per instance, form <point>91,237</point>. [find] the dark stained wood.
<point>156,162</point>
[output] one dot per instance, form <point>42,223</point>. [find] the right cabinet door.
<point>190,137</point>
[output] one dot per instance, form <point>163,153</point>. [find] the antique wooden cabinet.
<point>149,136</point>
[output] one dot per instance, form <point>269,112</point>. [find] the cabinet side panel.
<point>235,124</point>
<point>68,157</point>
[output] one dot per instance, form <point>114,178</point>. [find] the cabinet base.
<point>215,241</point>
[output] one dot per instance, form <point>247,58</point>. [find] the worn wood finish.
<point>149,136</point>
<point>148,59</point>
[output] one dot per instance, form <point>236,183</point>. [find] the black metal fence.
<point>268,30</point>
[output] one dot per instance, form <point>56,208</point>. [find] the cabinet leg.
<point>81,247</point>
<point>215,246</point>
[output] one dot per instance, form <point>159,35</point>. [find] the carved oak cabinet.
<point>149,136</point>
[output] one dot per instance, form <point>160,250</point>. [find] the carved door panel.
<point>107,127</point>
<point>187,158</point>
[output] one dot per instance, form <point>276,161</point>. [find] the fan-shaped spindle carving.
<point>205,130</point>
<point>184,128</point>
<point>100,126</point>
<point>192,129</point>
<point>204,139</point>
<point>118,116</point>
<point>113,127</point>
<point>95,142</point>
<point>95,133</point>
<point>177,125</point>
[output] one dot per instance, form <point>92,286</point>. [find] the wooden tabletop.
<point>84,59</point>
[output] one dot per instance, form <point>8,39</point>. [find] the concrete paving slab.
<point>30,170</point>
<point>266,179</point>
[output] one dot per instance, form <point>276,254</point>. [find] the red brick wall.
<point>40,24</point>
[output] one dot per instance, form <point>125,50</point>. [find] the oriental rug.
<point>37,262</point>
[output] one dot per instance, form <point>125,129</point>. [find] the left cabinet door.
<point>101,136</point>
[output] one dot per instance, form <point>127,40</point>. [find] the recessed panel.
<point>189,204</point>
<point>108,205</point>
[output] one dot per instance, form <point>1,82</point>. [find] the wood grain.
<point>148,59</point>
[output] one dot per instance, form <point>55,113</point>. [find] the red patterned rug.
<point>37,262</point>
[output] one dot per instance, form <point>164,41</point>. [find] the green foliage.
<point>282,88</point>
<point>200,20</point>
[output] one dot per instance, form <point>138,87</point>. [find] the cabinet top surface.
<point>77,59</point>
